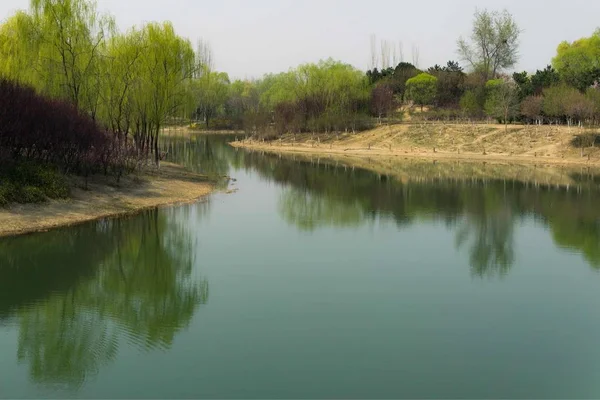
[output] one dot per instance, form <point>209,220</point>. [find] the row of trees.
<point>132,83</point>
<point>317,97</point>
<point>565,92</point>
<point>331,96</point>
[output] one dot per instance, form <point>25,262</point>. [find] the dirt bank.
<point>439,141</point>
<point>170,185</point>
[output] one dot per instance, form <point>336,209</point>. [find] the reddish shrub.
<point>51,131</point>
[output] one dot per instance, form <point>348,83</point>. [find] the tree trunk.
<point>156,155</point>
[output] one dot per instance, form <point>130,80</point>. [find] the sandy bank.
<point>171,184</point>
<point>556,145</point>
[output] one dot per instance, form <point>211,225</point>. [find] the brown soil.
<point>170,185</point>
<point>476,142</point>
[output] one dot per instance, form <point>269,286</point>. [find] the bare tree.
<point>374,57</point>
<point>385,54</point>
<point>415,55</point>
<point>382,101</point>
<point>204,56</point>
<point>494,42</point>
<point>400,51</point>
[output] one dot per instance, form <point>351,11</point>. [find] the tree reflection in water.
<point>483,210</point>
<point>136,284</point>
<point>78,293</point>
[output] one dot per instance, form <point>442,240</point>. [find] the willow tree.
<point>326,96</point>
<point>18,48</point>
<point>210,92</point>
<point>119,72</point>
<point>166,68</point>
<point>70,36</point>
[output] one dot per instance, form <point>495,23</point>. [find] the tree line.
<point>566,91</point>
<point>115,90</point>
<point>131,84</point>
<point>332,96</point>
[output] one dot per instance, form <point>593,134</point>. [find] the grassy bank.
<point>170,185</point>
<point>478,142</point>
<point>28,182</point>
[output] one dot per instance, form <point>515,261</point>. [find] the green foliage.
<point>470,104</point>
<point>31,194</point>
<point>543,79</point>
<point>554,105</point>
<point>578,63</point>
<point>31,183</point>
<point>396,77</point>
<point>530,85</point>
<point>493,84</point>
<point>524,85</point>
<point>502,100</point>
<point>451,83</point>
<point>593,96</point>
<point>422,89</point>
<point>326,96</point>
<point>132,82</point>
<point>210,92</point>
<point>146,264</point>
<point>564,102</point>
<point>494,43</point>
<point>6,193</point>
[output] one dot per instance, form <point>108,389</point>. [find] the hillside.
<point>515,143</point>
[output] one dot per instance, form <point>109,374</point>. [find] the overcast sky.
<point>250,38</point>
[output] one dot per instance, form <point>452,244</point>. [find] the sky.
<point>251,38</point>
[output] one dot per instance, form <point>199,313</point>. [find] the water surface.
<point>314,280</point>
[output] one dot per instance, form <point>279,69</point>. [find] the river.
<point>314,280</point>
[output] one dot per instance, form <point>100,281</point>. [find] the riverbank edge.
<point>171,185</point>
<point>310,149</point>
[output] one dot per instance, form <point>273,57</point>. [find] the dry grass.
<point>169,185</point>
<point>488,142</point>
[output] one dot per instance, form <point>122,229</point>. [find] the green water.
<point>313,281</point>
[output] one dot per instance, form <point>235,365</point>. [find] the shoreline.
<point>519,144</point>
<point>184,131</point>
<point>414,155</point>
<point>171,185</point>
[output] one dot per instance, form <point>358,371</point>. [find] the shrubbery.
<point>27,182</point>
<point>35,128</point>
<point>42,139</point>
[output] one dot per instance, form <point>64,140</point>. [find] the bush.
<point>40,129</point>
<point>30,194</point>
<point>221,124</point>
<point>27,182</point>
<point>6,193</point>
<point>421,89</point>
